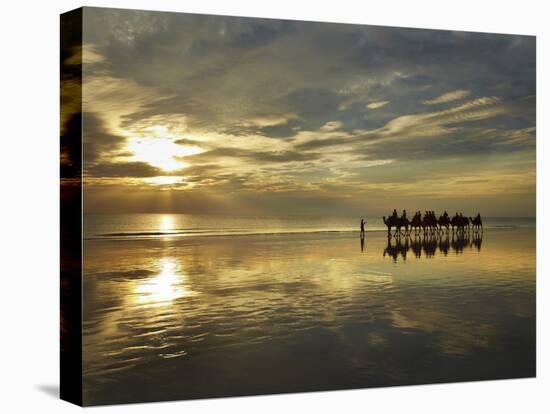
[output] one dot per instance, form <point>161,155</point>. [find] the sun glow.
<point>164,180</point>
<point>160,150</point>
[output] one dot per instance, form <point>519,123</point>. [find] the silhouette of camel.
<point>477,224</point>
<point>416,223</point>
<point>398,223</point>
<point>460,222</point>
<point>429,223</point>
<point>444,222</point>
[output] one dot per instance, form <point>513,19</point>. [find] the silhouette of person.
<point>445,214</point>
<point>363,222</point>
<point>394,214</point>
<point>404,215</point>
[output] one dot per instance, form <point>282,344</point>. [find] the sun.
<point>160,150</point>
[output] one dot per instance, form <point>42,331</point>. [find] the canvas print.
<point>258,206</point>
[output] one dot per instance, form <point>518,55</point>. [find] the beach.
<point>195,317</point>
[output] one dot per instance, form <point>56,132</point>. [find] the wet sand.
<point>180,318</point>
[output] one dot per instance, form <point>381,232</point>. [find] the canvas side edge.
<point>71,206</point>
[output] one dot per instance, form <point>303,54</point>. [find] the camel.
<point>390,222</point>
<point>406,223</point>
<point>444,221</point>
<point>461,223</point>
<point>477,224</point>
<point>416,223</point>
<point>429,222</point>
<point>398,223</point>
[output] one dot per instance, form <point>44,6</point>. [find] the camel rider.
<point>445,214</point>
<point>404,215</point>
<point>394,214</point>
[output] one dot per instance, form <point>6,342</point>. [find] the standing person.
<point>363,222</point>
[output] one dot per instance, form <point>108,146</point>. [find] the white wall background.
<point>29,221</point>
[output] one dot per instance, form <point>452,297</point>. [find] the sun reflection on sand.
<point>166,223</point>
<point>164,288</point>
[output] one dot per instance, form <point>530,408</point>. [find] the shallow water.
<point>176,318</point>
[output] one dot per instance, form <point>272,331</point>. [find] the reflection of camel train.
<point>430,243</point>
<point>430,224</point>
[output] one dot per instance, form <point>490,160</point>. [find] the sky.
<point>225,115</point>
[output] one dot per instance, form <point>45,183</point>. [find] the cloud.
<point>377,104</point>
<point>186,141</point>
<point>257,156</point>
<point>444,133</point>
<point>124,169</point>
<point>281,105</point>
<point>98,142</point>
<point>331,126</point>
<point>448,97</point>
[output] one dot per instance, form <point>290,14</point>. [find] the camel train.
<point>430,224</point>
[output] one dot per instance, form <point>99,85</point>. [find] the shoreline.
<point>195,235</point>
